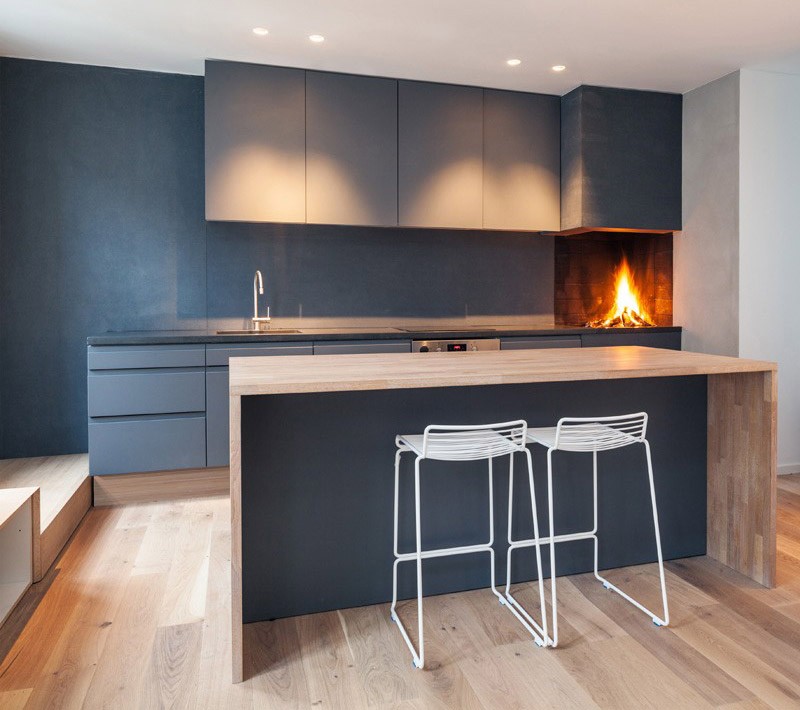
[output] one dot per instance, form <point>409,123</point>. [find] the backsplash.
<point>325,273</point>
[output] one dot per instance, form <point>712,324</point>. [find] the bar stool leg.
<point>418,658</point>
<point>419,661</point>
<point>553,600</point>
<point>657,620</point>
<point>539,632</point>
<point>491,532</point>
<point>396,525</point>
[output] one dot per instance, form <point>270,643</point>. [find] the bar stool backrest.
<point>472,443</point>
<point>600,433</point>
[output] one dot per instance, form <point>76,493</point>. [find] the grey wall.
<point>706,252</point>
<point>101,206</point>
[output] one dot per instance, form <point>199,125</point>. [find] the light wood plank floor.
<point>135,615</point>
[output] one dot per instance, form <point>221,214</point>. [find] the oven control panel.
<point>455,346</point>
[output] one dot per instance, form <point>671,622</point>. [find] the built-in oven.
<point>460,345</point>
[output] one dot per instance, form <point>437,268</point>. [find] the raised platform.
<point>65,496</point>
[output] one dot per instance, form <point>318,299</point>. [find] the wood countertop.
<point>341,373</point>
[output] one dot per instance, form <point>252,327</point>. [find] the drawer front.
<point>122,357</point>
<point>147,444</point>
<point>113,394</point>
<point>669,341</point>
<point>362,347</point>
<point>217,355</point>
<point>217,417</point>
<point>540,343</point>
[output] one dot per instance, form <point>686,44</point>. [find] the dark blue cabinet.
<point>217,397</point>
<point>146,408</point>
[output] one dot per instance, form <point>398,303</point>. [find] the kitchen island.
<point>312,446</point>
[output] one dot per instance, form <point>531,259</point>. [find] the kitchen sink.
<point>271,331</point>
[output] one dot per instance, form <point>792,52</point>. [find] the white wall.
<point>706,252</point>
<point>769,241</point>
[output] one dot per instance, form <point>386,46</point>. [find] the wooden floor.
<point>135,615</point>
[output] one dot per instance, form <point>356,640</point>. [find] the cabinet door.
<point>440,155</point>
<point>351,149</point>
<point>255,143</point>
<point>217,413</point>
<point>521,161</point>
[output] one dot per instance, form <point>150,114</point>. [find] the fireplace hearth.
<point>610,280</point>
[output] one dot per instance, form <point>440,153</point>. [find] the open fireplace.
<point>613,280</point>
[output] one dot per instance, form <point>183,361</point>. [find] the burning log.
<point>626,319</point>
<point>626,311</point>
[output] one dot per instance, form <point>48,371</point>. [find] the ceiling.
<point>667,45</point>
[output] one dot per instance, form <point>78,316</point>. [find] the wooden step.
<point>65,496</point>
<point>19,533</point>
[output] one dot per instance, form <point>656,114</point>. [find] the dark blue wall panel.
<point>323,271</point>
<point>101,205</point>
<point>102,211</point>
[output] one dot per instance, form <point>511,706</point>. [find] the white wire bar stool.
<point>458,443</point>
<point>590,435</point>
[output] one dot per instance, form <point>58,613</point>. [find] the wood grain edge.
<point>237,637</point>
<point>742,473</point>
<point>131,488</point>
<point>36,541</point>
<point>55,535</point>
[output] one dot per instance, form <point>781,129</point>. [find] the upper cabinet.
<point>351,149</point>
<point>255,143</point>
<point>440,155</point>
<point>620,160</point>
<point>521,161</point>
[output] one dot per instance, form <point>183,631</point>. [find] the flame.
<point>626,311</point>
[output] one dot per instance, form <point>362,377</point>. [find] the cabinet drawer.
<point>539,343</point>
<point>669,340</point>
<point>360,347</point>
<point>147,444</point>
<point>121,357</point>
<point>114,394</point>
<point>217,355</point>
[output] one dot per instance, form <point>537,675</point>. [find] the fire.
<point>626,311</point>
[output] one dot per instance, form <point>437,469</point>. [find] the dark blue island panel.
<point>317,488</point>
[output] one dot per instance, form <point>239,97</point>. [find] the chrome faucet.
<point>259,322</point>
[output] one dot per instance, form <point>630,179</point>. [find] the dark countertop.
<point>183,337</point>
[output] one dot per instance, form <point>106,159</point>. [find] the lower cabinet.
<point>146,406</point>
<point>155,408</point>
<point>363,347</point>
<point>217,398</point>
<point>669,340</point>
<point>153,443</point>
<point>540,342</point>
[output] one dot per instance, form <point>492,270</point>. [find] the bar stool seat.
<point>602,434</point>
<point>450,446</point>
<point>460,443</point>
<point>590,435</point>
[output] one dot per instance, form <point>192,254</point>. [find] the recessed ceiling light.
<point>558,67</point>
<point>260,31</point>
<point>316,38</point>
<point>513,62</point>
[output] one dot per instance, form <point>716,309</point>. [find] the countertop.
<point>184,337</point>
<point>337,373</point>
